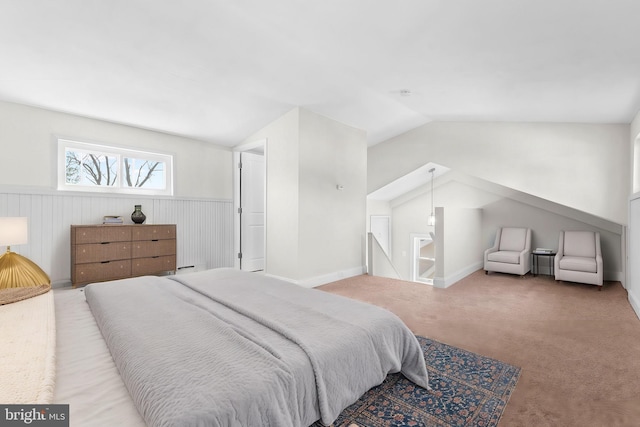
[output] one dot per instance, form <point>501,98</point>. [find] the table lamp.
<point>17,271</point>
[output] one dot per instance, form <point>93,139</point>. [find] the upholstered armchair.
<point>579,258</point>
<point>510,252</point>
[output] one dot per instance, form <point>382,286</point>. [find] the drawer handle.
<point>157,256</point>
<point>105,262</point>
<point>104,243</point>
<point>154,240</point>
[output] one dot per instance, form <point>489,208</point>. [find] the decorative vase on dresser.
<point>138,217</point>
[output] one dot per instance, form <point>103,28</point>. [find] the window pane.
<point>106,169</point>
<point>91,169</point>
<point>144,173</point>
<point>72,168</point>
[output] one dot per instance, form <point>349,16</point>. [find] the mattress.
<point>87,378</point>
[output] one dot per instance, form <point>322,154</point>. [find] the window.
<point>100,168</point>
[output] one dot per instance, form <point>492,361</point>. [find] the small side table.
<point>536,261</point>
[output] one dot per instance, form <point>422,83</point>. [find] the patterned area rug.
<point>468,390</point>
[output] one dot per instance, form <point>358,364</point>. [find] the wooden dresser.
<point>109,252</point>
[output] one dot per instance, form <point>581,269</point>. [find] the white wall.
<point>315,232</point>
<point>332,221</point>
<point>408,219</point>
<point>460,244</point>
<point>635,153</point>
<point>501,207</point>
<point>282,214</point>
<point>29,150</point>
<point>633,273</point>
<point>201,207</point>
<point>410,213</point>
<point>633,262</point>
<point>583,166</point>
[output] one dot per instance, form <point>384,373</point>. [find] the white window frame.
<point>120,152</point>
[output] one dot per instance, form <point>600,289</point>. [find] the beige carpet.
<point>579,349</point>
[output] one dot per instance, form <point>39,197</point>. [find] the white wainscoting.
<point>204,227</point>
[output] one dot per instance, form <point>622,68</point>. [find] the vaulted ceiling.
<point>220,70</point>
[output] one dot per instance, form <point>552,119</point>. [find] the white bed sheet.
<point>87,378</point>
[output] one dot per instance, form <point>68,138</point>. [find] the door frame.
<point>414,256</point>
<point>255,146</point>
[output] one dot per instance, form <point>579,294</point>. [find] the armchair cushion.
<point>513,239</point>
<point>509,257</point>
<point>576,263</point>
<point>579,244</point>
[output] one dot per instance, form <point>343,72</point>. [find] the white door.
<point>381,229</point>
<point>252,211</point>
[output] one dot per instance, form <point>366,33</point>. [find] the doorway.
<point>423,258</point>
<point>381,228</point>
<point>250,206</point>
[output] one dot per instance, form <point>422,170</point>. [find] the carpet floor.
<point>579,349</point>
<point>467,389</point>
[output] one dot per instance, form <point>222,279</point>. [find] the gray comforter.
<point>228,348</point>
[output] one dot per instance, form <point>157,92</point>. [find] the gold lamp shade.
<point>17,271</point>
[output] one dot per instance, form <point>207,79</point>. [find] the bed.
<point>222,348</point>
<point>27,346</point>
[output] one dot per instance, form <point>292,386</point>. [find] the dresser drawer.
<point>101,271</point>
<point>142,266</point>
<point>153,232</point>
<point>113,233</point>
<point>99,252</point>
<point>153,248</point>
<point>108,252</point>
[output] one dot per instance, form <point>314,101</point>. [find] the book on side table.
<point>543,251</point>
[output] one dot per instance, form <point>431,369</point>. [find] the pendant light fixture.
<point>432,216</point>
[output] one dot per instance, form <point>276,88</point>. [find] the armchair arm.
<point>598,255</point>
<point>495,247</point>
<point>598,263</point>
<point>525,258</point>
<point>525,254</point>
<point>559,254</point>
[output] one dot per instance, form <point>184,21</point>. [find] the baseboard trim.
<point>313,282</point>
<point>445,282</point>
<point>635,303</point>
